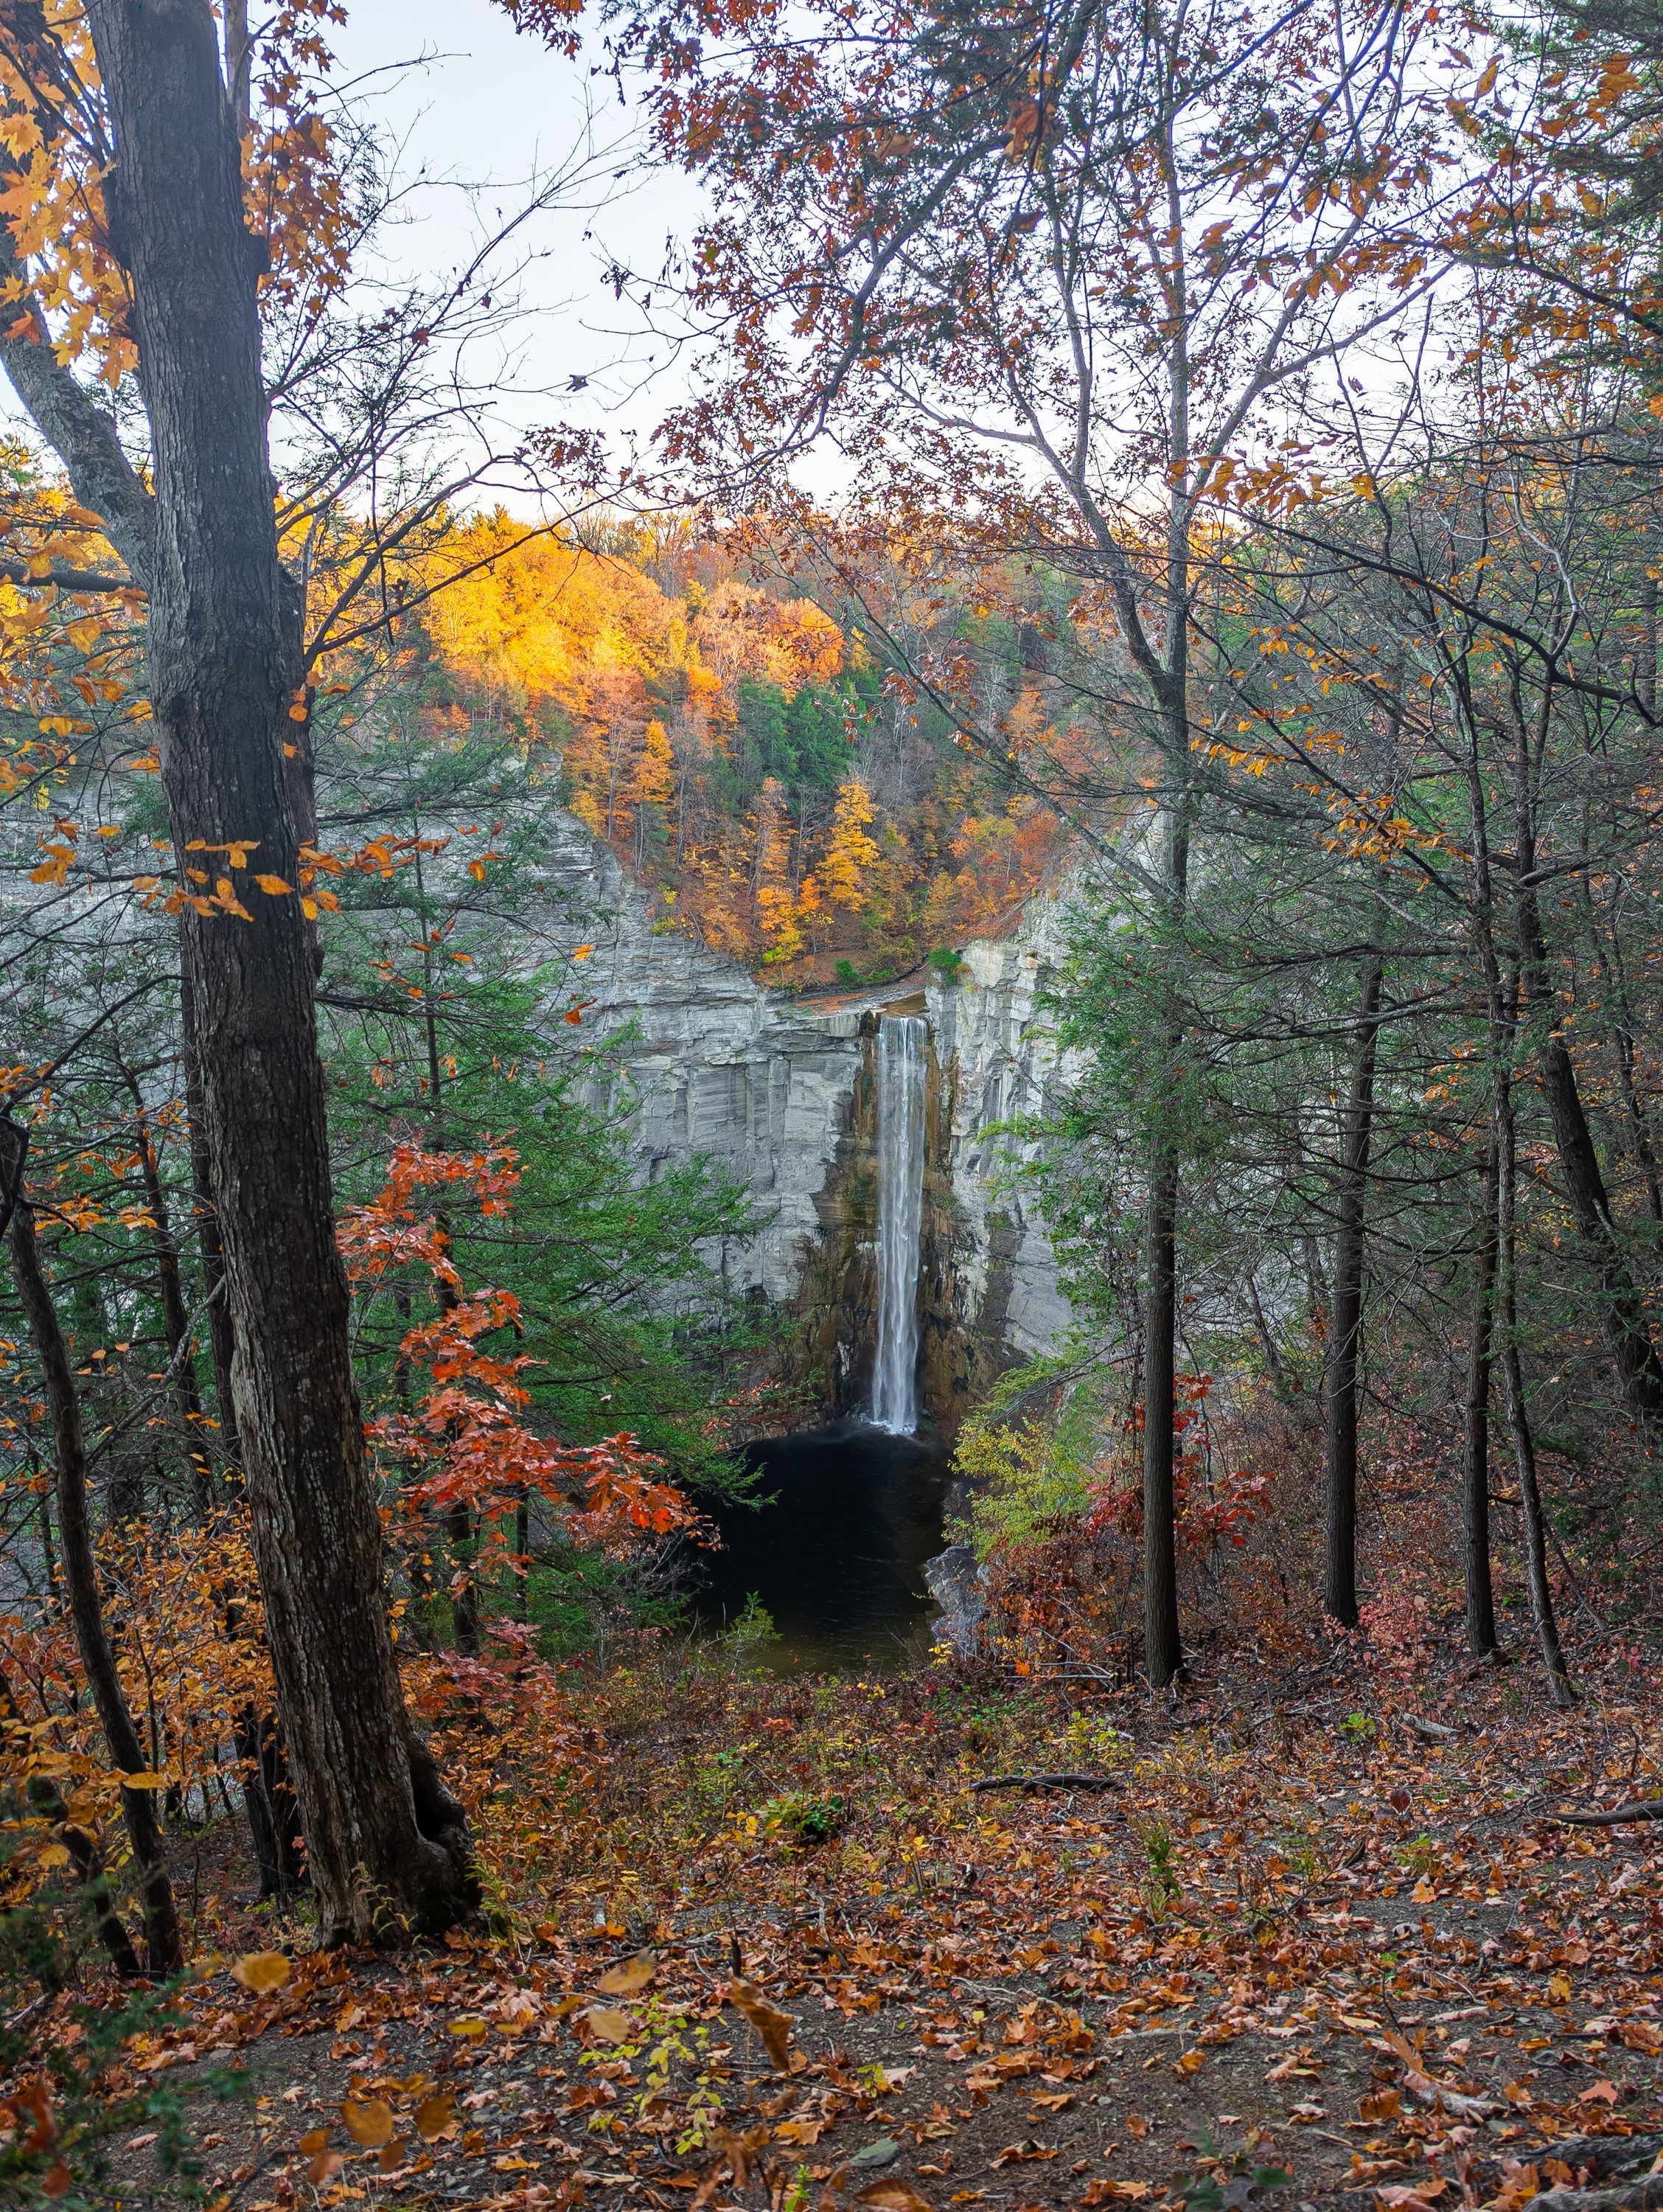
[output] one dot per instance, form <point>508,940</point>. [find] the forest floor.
<point>1322,1941</point>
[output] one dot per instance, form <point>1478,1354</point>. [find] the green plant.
<point>1162,1885</point>
<point>1092,1736</point>
<point>948,964</point>
<point>752,1623</point>
<point>801,1818</point>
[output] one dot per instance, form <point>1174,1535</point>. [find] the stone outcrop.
<point>780,1093</point>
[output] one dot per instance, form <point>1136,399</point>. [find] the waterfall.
<point>902,1041</point>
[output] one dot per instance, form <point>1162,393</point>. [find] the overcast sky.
<point>478,110</point>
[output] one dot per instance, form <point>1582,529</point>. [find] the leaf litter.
<point>1335,1963</point>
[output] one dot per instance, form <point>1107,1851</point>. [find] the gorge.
<point>907,1291</point>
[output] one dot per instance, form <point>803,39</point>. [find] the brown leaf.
<point>369,2124</point>
<point>1136,2125</point>
<point>393,2155</point>
<point>805,2132</point>
<point>894,2196</point>
<point>608,2024</point>
<point>325,2167</point>
<point>56,2180</point>
<point>774,2026</point>
<point>434,2116</point>
<point>623,1981</point>
<point>313,2140</point>
<point>261,1971</point>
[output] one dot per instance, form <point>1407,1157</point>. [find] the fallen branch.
<point>1645,2195</point>
<point>1047,1781</point>
<point>1638,1808</point>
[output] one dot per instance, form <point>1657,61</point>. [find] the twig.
<point>1047,1781</point>
<point>1638,1808</point>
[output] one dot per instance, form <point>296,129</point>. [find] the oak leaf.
<point>433,2116</point>
<point>370,2124</point>
<point>261,1971</point>
<point>774,2026</point>
<point>623,1980</point>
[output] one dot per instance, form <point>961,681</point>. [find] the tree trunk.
<point>223,652</point>
<point>163,1944</point>
<point>1163,1650</point>
<point>1339,1594</point>
<point>1163,1653</point>
<point>1623,1308</point>
<point>1475,1470</point>
<point>175,1318</point>
<point>274,1816</point>
<point>221,1330</point>
<point>48,1800</point>
<point>1518,1416</point>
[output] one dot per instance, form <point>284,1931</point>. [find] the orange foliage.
<point>466,1443</point>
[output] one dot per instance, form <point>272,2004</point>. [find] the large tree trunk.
<point>1475,1469</point>
<point>1623,1308</point>
<point>121,1738</point>
<point>1339,1589</point>
<point>222,645</point>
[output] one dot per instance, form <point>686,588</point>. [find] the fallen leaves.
<point>894,2196</point>
<point>1423,2085</point>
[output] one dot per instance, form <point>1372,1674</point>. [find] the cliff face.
<point>781,1093</point>
<point>991,1291</point>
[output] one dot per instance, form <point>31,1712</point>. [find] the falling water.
<point>901,1041</point>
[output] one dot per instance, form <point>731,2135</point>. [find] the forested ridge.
<point>1237,437</point>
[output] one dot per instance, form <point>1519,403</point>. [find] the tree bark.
<point>1622,1308</point>
<point>164,1946</point>
<point>1475,1469</point>
<point>1518,1415</point>
<point>175,1316</point>
<point>224,664</point>
<point>1345,1323</point>
<point>1163,1653</point>
<point>1164,1649</point>
<point>221,1330</point>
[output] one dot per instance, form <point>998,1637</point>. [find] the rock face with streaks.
<point>780,1093</point>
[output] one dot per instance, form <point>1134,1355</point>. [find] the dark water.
<point>838,1557</point>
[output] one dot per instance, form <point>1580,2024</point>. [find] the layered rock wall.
<point>781,1093</point>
